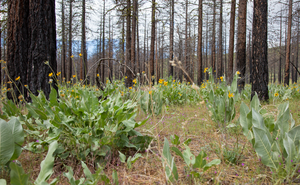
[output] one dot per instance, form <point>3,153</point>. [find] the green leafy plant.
<point>276,142</point>
<point>130,160</point>
<point>169,163</point>
<point>83,125</point>
<point>193,163</point>
<point>90,178</point>
<point>19,177</point>
<point>11,140</point>
<point>221,101</point>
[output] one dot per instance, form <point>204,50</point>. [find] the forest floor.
<point>188,122</point>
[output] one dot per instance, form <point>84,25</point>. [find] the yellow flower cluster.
<point>205,69</point>
<point>161,81</point>
<point>134,81</point>
<point>179,94</point>
<point>230,95</point>
<point>203,86</point>
<point>222,78</point>
<point>50,74</point>
<point>150,92</point>
<point>165,83</point>
<point>18,78</point>
<point>57,74</point>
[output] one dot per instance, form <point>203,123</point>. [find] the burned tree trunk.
<point>260,73</point>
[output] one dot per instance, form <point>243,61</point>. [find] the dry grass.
<point>187,122</point>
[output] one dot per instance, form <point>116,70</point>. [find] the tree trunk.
<point>220,61</point>
<point>297,50</point>
<point>18,42</point>
<point>199,48</point>
<point>133,37</point>
<point>83,70</point>
<point>63,53</point>
<point>288,46</point>
<point>186,62</point>
<point>103,46</point>
<point>279,69</point>
<point>241,43</point>
<point>171,69</point>
<point>231,41</point>
<point>152,40</point>
<point>260,73</point>
<point>70,41</point>
<point>213,45</point>
<point>138,64</point>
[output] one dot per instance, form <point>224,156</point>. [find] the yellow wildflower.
<point>174,81</point>
<point>130,87</point>
<point>26,86</point>
<point>62,95</point>
<point>222,78</point>
<point>9,82</point>
<point>72,56</point>
<point>80,54</point>
<point>230,95</point>
<point>165,83</point>
<point>238,72</point>
<point>57,74</point>
<point>150,92</point>
<point>134,81</point>
<point>276,94</point>
<point>98,75</point>
<point>50,74</point>
<point>18,78</point>
<point>125,77</point>
<point>74,76</point>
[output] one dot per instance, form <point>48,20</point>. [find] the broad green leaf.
<point>17,131</point>
<point>244,110</point>
<point>200,162</point>
<point>283,119</point>
<point>188,157</point>
<point>263,147</point>
<point>69,175</point>
<point>255,103</point>
<point>2,181</point>
<point>86,171</point>
<point>129,162</point>
<point>17,175</point>
<point>166,151</point>
<point>290,149</point>
<point>187,142</point>
<point>7,145</point>
<point>122,157</point>
<point>115,177</point>
<point>177,151</point>
<point>257,120</point>
<point>294,134</point>
<point>175,139</point>
<point>47,164</point>
<point>211,163</point>
<point>53,97</point>
<point>135,157</point>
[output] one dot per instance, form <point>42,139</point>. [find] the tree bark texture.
<point>220,60</point>
<point>152,40</point>
<point>31,43</point>
<point>70,41</point>
<point>63,53</point>
<point>199,48</point>
<point>213,45</point>
<point>288,46</point>
<point>241,43</point>
<point>260,74</point>
<point>133,38</point>
<point>171,37</point>
<point>231,41</point>
<point>83,41</point>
